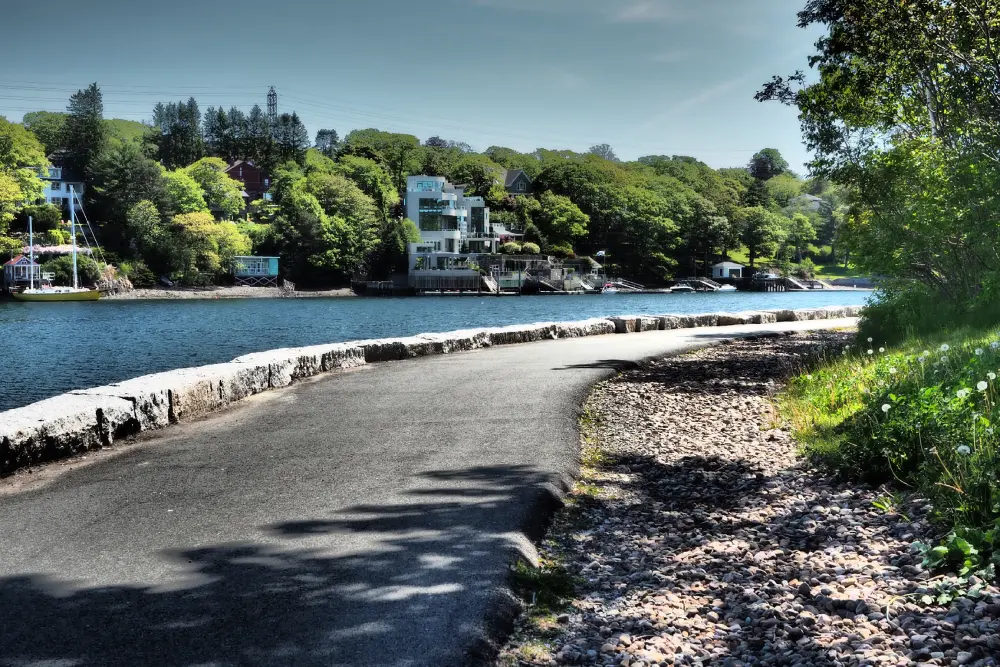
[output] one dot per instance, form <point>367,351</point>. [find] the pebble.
<point>711,542</point>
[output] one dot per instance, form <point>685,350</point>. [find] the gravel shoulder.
<point>696,535</point>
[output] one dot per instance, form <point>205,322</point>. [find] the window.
<point>55,173</point>
<point>267,182</point>
<point>55,185</point>
<point>427,186</point>
<point>520,186</point>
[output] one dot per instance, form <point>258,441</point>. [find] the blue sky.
<point>646,76</point>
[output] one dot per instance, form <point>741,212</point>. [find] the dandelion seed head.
<point>963,450</point>
<point>869,339</point>
<point>892,371</point>
<point>886,407</point>
<point>979,351</point>
<point>871,351</point>
<point>881,350</point>
<point>995,345</point>
<point>992,376</point>
<point>982,385</point>
<point>962,393</point>
<point>945,347</point>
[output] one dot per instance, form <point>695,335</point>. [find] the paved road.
<point>366,518</point>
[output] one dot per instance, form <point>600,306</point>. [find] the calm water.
<point>51,348</point>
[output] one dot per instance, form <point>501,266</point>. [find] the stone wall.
<point>93,418</point>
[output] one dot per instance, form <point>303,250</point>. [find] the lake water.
<point>51,348</point>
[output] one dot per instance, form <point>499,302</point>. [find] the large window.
<point>55,185</point>
<point>435,222</point>
<point>478,219</point>
<point>427,186</point>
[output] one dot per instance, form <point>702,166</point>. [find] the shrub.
<point>530,249</point>
<point>55,237</point>
<point>87,270</point>
<point>804,269</point>
<point>138,273</point>
<point>510,248</point>
<point>564,250</point>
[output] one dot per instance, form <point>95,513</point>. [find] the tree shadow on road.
<point>418,596</point>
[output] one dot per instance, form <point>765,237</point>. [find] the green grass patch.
<point>924,416</point>
<point>546,589</point>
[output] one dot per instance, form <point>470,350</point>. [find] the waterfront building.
<point>727,270</point>
<point>57,181</point>
<point>449,221</point>
<point>255,271</point>
<point>21,272</point>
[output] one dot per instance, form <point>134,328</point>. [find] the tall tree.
<point>257,142</point>
<point>327,142</point>
<point>291,138</point>
<point>603,151</point>
<point>760,231</point>
<point>84,133</point>
<point>766,164</point>
<point>398,152</point>
<point>235,140</point>
<point>21,156</point>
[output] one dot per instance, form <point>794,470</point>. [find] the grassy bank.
<point>922,416</point>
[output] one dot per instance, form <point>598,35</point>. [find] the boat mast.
<point>72,233</point>
<point>31,254</point>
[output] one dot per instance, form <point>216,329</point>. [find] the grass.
<point>833,271</point>
<point>923,416</point>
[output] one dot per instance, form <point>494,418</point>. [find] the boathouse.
<point>20,271</point>
<point>250,271</point>
<point>727,270</point>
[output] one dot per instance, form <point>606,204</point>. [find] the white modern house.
<point>449,221</point>
<point>727,270</point>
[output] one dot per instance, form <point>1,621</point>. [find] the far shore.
<point>217,292</point>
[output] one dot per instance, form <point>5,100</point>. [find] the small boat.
<point>609,288</point>
<point>728,288</point>
<point>681,289</point>
<point>48,292</point>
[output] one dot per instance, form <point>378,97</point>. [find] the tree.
<point>307,239</point>
<point>398,152</point>
<point>373,180</point>
<point>48,126</point>
<point>179,135</point>
<point>767,164</point>
<point>760,231</point>
<point>509,158</point>
<point>480,173</point>
<point>559,219</point>
<point>355,212</point>
<point>389,255</point>
<point>327,142</point>
<point>436,142</point>
<point>144,229</point>
<point>257,139</point>
<point>221,192</point>
<point>800,232</point>
<point>84,132</point>
<point>291,138</point>
<point>183,194</point>
<point>87,270</point>
<point>124,176</point>
<point>21,156</point>
<point>201,249</point>
<point>783,188</point>
<point>603,151</point>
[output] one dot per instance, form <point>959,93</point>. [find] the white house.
<point>57,185</point>
<point>449,221</point>
<point>727,270</point>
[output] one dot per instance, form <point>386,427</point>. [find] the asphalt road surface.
<point>365,518</point>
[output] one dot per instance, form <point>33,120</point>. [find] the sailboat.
<point>48,292</point>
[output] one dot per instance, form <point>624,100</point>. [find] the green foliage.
<point>924,415</point>
<point>220,191</point>
<point>530,248</point>
<point>373,180</point>
<point>389,255</point>
<point>144,227</point>
<point>559,219</point>
<point>43,217</point>
<point>138,273</point>
<point>201,249</point>
<point>399,153</point>
<point>123,177</point>
<point>87,270</point>
<point>183,193</point>
<point>84,133</point>
<point>783,189</point>
<point>510,248</point>
<point>767,164</point>
<point>125,131</point>
<point>261,237</point>
<point>760,231</point>
<point>47,126</point>
<point>21,155</point>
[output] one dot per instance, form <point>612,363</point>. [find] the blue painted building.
<point>256,271</point>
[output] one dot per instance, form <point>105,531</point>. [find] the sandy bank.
<point>224,293</point>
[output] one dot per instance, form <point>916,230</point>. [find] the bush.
<point>138,273</point>
<point>804,269</point>
<point>43,217</point>
<point>55,237</point>
<point>563,251</point>
<point>510,248</point>
<point>87,270</point>
<point>530,249</point>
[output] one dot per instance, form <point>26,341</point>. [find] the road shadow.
<point>417,597</point>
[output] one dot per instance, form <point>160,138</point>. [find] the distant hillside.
<point>125,130</point>
<point>47,126</point>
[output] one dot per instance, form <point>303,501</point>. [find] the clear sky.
<point>646,76</point>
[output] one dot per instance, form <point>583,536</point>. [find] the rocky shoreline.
<point>697,536</point>
<point>216,292</point>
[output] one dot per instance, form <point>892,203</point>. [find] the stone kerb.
<point>96,417</point>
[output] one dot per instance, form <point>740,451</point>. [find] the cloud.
<point>646,11</point>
